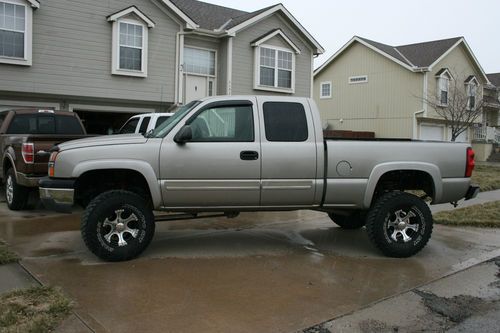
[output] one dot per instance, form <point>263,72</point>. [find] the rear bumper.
<point>472,192</point>
<point>27,180</point>
<point>57,194</point>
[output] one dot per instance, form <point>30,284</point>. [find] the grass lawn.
<point>488,177</point>
<point>7,256</point>
<point>485,215</point>
<point>37,309</point>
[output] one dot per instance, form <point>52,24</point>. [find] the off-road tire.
<point>16,195</point>
<point>381,216</point>
<point>353,221</point>
<point>106,206</point>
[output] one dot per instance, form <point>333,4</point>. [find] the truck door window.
<point>224,124</point>
<point>130,126</point>
<point>144,125</point>
<point>285,122</point>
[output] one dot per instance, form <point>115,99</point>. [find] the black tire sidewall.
<point>19,193</point>
<point>105,205</point>
<point>377,224</point>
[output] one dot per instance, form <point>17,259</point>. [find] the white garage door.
<point>429,132</point>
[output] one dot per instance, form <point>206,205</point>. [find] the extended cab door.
<point>289,152</point>
<point>220,165</point>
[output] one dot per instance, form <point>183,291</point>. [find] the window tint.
<point>285,122</point>
<point>23,124</point>
<point>160,121</point>
<point>224,124</point>
<point>144,125</point>
<point>130,126</point>
<point>46,125</point>
<point>68,125</point>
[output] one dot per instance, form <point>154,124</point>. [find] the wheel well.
<point>92,183</point>
<point>405,180</point>
<point>6,165</point>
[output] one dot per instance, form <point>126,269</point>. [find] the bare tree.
<point>459,105</point>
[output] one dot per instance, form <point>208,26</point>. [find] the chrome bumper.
<point>57,195</point>
<point>25,180</point>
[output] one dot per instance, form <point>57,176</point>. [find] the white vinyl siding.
<point>274,69</point>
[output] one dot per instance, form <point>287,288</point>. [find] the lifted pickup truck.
<point>26,136</point>
<point>251,153</point>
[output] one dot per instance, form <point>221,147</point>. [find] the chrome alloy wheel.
<point>9,190</point>
<point>400,226</point>
<point>119,228</point>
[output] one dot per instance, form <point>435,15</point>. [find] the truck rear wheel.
<point>399,224</point>
<point>353,221</point>
<point>117,225</point>
<point>16,195</point>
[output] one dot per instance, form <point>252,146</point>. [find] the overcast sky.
<point>395,22</point>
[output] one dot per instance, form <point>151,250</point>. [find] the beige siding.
<point>243,58</point>
<point>385,104</point>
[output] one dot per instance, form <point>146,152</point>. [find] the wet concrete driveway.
<point>260,272</point>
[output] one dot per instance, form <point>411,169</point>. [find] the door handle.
<point>249,155</point>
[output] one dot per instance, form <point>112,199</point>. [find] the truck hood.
<point>105,140</point>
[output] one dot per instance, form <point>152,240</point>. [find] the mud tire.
<point>16,195</point>
<point>356,220</point>
<point>106,206</point>
<point>384,211</point>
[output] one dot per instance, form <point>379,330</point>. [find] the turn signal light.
<point>470,162</point>
<point>52,163</point>
<point>28,153</point>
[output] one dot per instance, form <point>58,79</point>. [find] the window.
<point>129,126</point>
<point>325,90</point>
<point>275,70</point>
<point>160,121</point>
<point>199,61</point>
<point>224,124</point>
<point>144,125</point>
<point>285,121</point>
<point>44,124</point>
<point>443,86</point>
<point>130,50</point>
<point>15,32</point>
<point>471,85</point>
<point>358,79</point>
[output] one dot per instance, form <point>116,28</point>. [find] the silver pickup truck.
<point>253,153</point>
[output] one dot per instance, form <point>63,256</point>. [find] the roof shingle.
<point>494,79</point>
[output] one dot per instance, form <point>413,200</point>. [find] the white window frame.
<point>275,88</point>
<point>358,79</point>
<point>321,96</point>
<point>115,63</point>
<point>473,82</point>
<point>27,60</point>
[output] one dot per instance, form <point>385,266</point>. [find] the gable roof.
<point>416,57</point>
<point>217,19</point>
<point>494,79</point>
<point>273,33</point>
<point>34,3</point>
<point>131,10</point>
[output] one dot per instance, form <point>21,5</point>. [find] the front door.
<point>220,166</point>
<point>196,87</point>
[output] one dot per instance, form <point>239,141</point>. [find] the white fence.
<point>486,134</point>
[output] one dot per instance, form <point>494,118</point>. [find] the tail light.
<point>52,163</point>
<point>470,162</point>
<point>28,152</point>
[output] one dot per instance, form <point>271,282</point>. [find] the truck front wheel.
<point>16,195</point>
<point>399,224</point>
<point>117,225</point>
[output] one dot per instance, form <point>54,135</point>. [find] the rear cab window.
<point>45,124</point>
<point>285,122</point>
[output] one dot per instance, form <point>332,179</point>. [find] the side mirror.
<point>184,135</point>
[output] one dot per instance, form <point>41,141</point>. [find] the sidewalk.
<point>483,197</point>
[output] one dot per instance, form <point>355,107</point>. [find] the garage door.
<point>430,132</point>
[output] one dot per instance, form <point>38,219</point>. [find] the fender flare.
<point>8,156</point>
<point>144,168</point>
<point>380,169</point>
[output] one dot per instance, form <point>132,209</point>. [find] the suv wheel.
<point>117,225</point>
<point>15,194</point>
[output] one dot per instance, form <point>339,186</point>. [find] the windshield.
<point>170,123</point>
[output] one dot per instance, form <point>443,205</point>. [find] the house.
<point>108,59</point>
<point>370,86</point>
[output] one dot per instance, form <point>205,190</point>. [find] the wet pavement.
<point>259,272</point>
